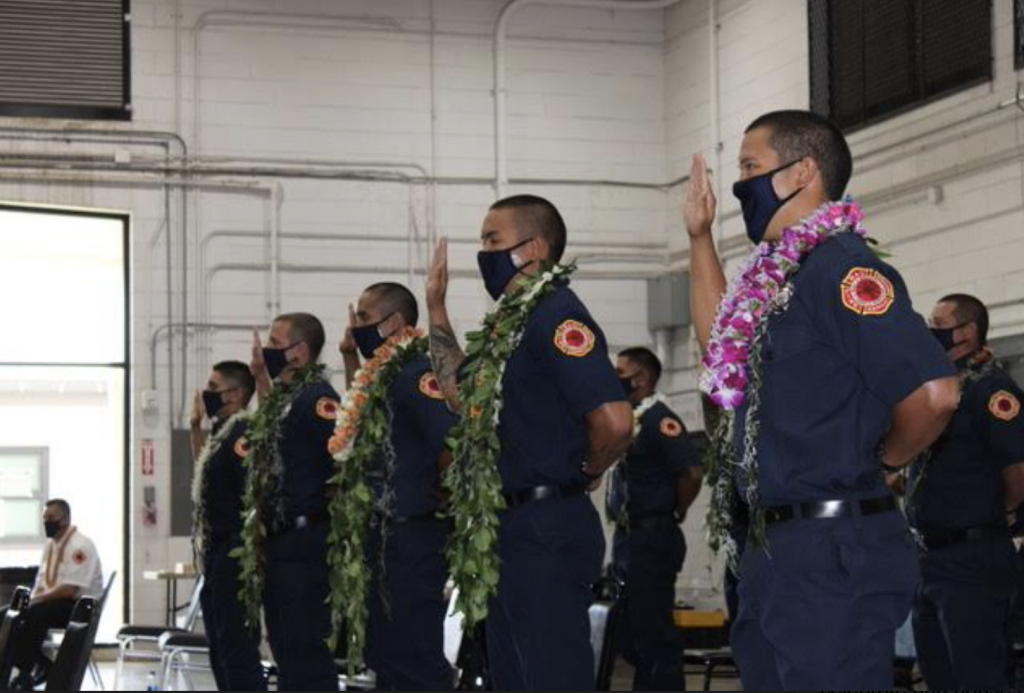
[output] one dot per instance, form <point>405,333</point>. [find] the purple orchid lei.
<point>732,367</point>
<point>750,295</point>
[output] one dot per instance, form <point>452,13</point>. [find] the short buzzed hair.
<point>646,359</point>
<point>62,505</point>
<point>536,216</point>
<point>305,327</point>
<point>969,309</point>
<point>395,298</point>
<point>797,135</point>
<point>239,375</point>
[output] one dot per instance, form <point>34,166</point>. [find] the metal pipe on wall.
<point>397,270</point>
<point>501,178</point>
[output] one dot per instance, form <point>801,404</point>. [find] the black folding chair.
<point>10,629</point>
<point>131,636</point>
<point>56,637</point>
<point>76,648</point>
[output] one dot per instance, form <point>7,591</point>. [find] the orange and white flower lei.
<point>357,396</point>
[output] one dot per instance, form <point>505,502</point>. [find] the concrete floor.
<point>136,675</point>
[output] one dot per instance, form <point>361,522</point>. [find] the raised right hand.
<point>259,366</point>
<point>348,346</point>
<point>198,410</point>
<point>437,278</point>
<point>699,204</point>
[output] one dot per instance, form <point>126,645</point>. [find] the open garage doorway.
<point>64,384</point>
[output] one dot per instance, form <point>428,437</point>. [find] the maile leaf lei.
<point>266,473</point>
<point>364,425</point>
<point>473,482</point>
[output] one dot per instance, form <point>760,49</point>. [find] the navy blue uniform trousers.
<point>538,627</point>
<point>295,606</point>
<point>650,640</point>
<point>234,649</point>
<point>822,611</point>
<point>962,613</point>
<point>405,636</point>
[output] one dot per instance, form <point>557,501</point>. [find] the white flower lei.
<point>199,481</point>
<point>643,408</point>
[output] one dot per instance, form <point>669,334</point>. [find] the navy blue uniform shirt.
<point>848,349</point>
<point>962,486</point>
<point>308,465</point>
<point>225,482</point>
<point>650,474</point>
<point>558,375</point>
<point>421,422</point>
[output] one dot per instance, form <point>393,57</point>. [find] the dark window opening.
<point>874,59</point>
<point>1018,33</point>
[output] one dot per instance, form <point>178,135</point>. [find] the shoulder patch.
<point>327,409</point>
<point>430,387</point>
<point>78,557</point>
<point>867,292</point>
<point>242,447</point>
<point>573,338</point>
<point>670,428</point>
<point>1004,406</point>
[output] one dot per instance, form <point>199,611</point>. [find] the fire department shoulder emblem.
<point>575,339</point>
<point>868,292</point>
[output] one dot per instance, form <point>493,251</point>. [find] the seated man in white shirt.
<point>70,569</point>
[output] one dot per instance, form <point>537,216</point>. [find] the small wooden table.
<point>171,578</point>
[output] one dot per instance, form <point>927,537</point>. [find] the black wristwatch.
<point>889,469</point>
<point>880,454</point>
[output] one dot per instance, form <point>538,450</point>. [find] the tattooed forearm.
<point>447,356</point>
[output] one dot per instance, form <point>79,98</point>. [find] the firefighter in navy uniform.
<point>217,526</point>
<point>650,494</point>
<point>565,421</point>
<point>405,634</point>
<point>295,595</point>
<point>962,496</point>
<point>845,381</point>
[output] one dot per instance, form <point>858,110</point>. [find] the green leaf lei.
<point>352,500</point>
<point>266,472</point>
<point>472,481</point>
<point>201,533</point>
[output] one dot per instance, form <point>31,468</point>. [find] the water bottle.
<point>151,682</point>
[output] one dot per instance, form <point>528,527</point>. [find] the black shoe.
<point>22,683</point>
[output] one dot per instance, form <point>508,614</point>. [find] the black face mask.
<point>760,202</point>
<point>498,268</point>
<point>51,528</point>
<point>213,402</point>
<point>946,337</point>
<point>369,339</point>
<point>276,360</point>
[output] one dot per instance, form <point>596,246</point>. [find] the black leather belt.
<point>827,510</point>
<point>944,538</point>
<point>301,522</point>
<point>540,493</point>
<point>652,523</point>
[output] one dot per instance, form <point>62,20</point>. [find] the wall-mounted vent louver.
<point>65,59</point>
